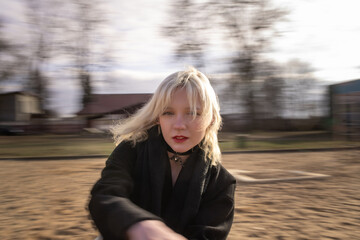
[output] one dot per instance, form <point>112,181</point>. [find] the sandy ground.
<point>47,199</point>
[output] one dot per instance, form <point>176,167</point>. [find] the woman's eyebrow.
<point>187,109</point>
<point>197,108</point>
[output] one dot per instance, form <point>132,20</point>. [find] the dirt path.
<point>47,199</point>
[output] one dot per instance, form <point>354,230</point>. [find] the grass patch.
<point>77,145</point>
<point>54,145</point>
<point>275,144</point>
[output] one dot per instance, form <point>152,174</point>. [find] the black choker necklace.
<point>176,157</point>
<point>177,153</point>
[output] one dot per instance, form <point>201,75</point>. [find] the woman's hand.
<point>152,230</point>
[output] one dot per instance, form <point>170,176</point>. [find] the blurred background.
<point>275,65</point>
<point>287,74</point>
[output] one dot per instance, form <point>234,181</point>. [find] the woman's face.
<point>180,129</point>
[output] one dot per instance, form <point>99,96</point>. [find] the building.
<point>345,109</point>
<point>18,106</point>
<point>104,109</point>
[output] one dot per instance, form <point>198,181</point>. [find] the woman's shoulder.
<point>125,149</point>
<point>220,175</point>
<point>125,145</point>
<point>221,184</point>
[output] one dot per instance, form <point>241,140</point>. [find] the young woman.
<point>164,179</point>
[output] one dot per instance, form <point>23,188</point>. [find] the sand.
<point>47,199</point>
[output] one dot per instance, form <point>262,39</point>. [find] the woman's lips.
<point>179,139</point>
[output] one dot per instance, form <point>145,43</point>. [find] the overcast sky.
<point>324,33</point>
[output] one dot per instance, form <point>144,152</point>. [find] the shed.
<point>345,109</point>
<point>18,106</point>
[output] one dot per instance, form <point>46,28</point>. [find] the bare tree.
<point>65,30</point>
<point>44,22</point>
<point>299,84</point>
<point>12,58</point>
<point>184,27</point>
<point>84,42</point>
<point>273,97</point>
<point>251,28</point>
<point>269,95</point>
<point>4,49</point>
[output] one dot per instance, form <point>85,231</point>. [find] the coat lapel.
<point>156,164</point>
<point>196,188</point>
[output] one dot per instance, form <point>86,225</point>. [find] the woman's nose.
<point>180,122</point>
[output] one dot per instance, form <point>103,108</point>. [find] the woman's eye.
<point>194,114</point>
<point>167,113</point>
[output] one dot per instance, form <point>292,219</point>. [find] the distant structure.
<point>104,109</point>
<point>18,111</point>
<point>18,106</point>
<point>345,109</point>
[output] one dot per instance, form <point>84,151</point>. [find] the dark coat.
<point>136,185</point>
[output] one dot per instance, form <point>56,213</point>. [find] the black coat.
<point>136,185</point>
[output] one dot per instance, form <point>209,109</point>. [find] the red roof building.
<point>104,109</point>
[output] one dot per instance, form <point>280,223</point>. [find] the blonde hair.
<point>198,87</point>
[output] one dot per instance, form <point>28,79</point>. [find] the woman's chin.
<point>180,149</point>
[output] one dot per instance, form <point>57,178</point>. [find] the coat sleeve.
<point>110,205</point>
<point>216,211</point>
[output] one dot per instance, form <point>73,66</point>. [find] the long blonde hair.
<point>198,87</point>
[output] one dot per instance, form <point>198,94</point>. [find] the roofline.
<point>19,92</point>
<point>345,82</point>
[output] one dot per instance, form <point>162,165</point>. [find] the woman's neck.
<point>176,164</point>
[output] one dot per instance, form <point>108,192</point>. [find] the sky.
<point>324,33</point>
